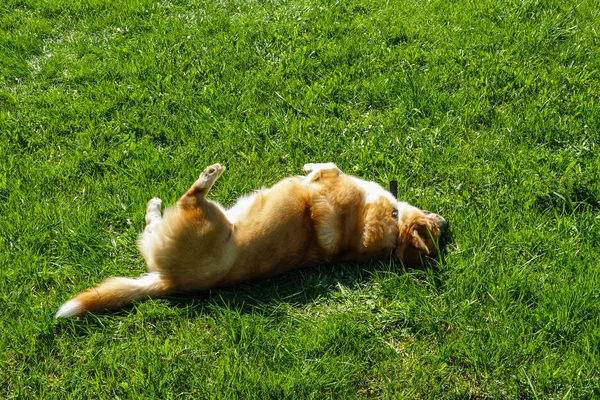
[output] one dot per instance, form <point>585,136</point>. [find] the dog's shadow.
<point>296,288</point>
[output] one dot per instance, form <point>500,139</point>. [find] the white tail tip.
<point>71,308</point>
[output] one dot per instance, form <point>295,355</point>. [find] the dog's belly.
<point>274,233</point>
<point>293,224</point>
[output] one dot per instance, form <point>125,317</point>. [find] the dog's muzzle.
<point>440,221</point>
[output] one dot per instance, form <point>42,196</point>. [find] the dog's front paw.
<point>308,168</point>
<point>311,167</point>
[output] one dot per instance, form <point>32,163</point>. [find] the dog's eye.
<point>395,213</point>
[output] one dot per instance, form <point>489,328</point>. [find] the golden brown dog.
<point>325,216</point>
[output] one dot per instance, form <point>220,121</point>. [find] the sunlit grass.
<point>486,112</point>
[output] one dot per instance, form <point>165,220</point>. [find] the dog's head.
<point>419,234</point>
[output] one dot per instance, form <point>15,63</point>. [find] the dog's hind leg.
<point>205,181</point>
<point>147,239</point>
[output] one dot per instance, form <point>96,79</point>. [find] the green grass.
<point>486,112</point>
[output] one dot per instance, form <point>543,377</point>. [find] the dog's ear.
<point>418,238</point>
<point>414,243</point>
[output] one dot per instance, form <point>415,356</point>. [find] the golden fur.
<point>323,217</point>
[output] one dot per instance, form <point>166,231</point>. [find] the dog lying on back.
<point>323,217</point>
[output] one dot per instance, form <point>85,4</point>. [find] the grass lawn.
<point>487,112</point>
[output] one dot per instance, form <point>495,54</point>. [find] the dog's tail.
<point>114,293</point>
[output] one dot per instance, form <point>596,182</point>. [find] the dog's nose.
<point>441,222</point>
<point>443,226</point>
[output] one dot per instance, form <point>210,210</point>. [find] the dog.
<point>325,216</point>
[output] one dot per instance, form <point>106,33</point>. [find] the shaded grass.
<point>486,112</point>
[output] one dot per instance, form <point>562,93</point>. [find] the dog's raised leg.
<point>153,221</point>
<point>204,182</point>
<point>314,172</point>
<point>153,215</point>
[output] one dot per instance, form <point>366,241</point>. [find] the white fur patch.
<point>145,281</point>
<point>153,208</point>
<point>405,207</point>
<point>70,309</point>
<point>373,191</point>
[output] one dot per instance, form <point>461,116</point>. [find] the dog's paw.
<point>213,170</point>
<point>311,167</point>
<point>210,175</point>
<point>308,168</point>
<point>154,203</point>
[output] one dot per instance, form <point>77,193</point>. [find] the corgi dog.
<point>325,216</point>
